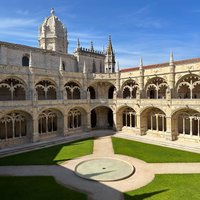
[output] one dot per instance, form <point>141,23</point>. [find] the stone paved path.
<point>64,174</point>
<point>103,146</point>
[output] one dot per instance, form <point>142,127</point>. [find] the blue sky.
<point>147,28</point>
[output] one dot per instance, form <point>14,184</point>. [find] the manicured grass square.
<point>152,153</point>
<point>168,187</point>
<point>51,155</point>
<point>36,188</point>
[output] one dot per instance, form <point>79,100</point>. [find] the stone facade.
<point>46,92</point>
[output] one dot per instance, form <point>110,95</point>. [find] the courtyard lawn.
<point>167,187</point>
<point>51,155</point>
<point>152,153</point>
<point>35,188</point>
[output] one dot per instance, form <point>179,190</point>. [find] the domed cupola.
<point>53,35</point>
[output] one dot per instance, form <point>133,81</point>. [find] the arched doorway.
<point>102,118</point>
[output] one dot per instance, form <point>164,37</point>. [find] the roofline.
<point>179,62</point>
<point>32,49</point>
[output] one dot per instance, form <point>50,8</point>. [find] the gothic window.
<point>101,67</point>
<point>46,90</point>
<point>12,89</point>
<point>25,60</point>
<point>129,89</point>
<point>73,90</point>
<point>63,65</point>
<point>47,122</point>
<point>93,67</point>
<point>189,124</point>
<point>13,125</point>
<point>189,87</point>
<point>129,118</point>
<point>74,119</point>
<point>156,88</point>
<point>156,120</point>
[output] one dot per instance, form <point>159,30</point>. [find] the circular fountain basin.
<point>104,169</point>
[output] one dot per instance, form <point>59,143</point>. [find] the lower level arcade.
<point>18,126</point>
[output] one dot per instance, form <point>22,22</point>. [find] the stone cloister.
<point>46,92</point>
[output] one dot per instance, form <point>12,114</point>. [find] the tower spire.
<point>78,44</point>
<point>141,62</point>
<point>91,47</point>
<point>171,60</point>
<point>110,57</point>
<point>109,48</point>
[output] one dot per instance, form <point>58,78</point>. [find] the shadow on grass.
<point>142,196</point>
<point>51,155</point>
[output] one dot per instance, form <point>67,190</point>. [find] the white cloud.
<point>7,23</point>
<point>22,12</point>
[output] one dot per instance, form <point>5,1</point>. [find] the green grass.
<point>36,188</point>
<point>51,155</point>
<point>152,153</point>
<point>168,187</point>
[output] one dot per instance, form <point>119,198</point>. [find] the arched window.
<point>189,123</point>
<point>73,90</point>
<point>129,89</point>
<point>74,119</point>
<point>12,89</point>
<point>63,65</point>
<point>129,118</point>
<point>189,87</point>
<point>13,125</point>
<point>47,122</point>
<point>46,90</point>
<point>156,120</point>
<point>93,67</point>
<point>156,88</point>
<point>25,61</point>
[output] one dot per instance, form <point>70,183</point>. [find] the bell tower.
<point>53,35</point>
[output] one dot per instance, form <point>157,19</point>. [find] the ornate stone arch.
<point>129,89</point>
<point>153,120</point>
<point>186,123</point>
<point>126,118</point>
<point>188,86</point>
<point>12,89</point>
<point>77,118</point>
<point>156,88</point>
<point>50,122</point>
<point>46,89</point>
<point>15,125</point>
<point>72,90</point>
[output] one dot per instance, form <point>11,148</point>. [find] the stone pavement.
<point>64,174</point>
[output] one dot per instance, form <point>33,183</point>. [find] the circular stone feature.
<point>104,169</point>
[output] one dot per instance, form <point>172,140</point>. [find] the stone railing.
<point>186,102</point>
<point>15,103</point>
<point>102,76</point>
